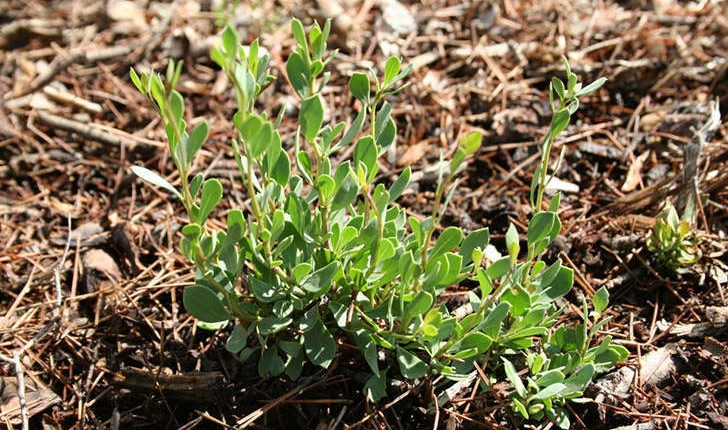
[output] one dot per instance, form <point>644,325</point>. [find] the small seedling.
<point>673,241</point>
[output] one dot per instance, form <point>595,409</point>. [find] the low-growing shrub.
<point>325,255</point>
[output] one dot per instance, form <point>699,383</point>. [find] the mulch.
<point>91,280</point>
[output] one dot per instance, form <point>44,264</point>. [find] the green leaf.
<point>257,133</point>
<point>512,243</point>
<point>235,216</point>
<point>301,270</point>
<point>384,115</point>
<point>311,116</point>
<point>283,308</point>
<point>217,56</point>
<point>298,74</point>
<point>499,268</point>
<point>391,68</point>
<point>318,39</point>
<point>340,313</point>
<point>369,349</point>
<point>290,348</point>
<point>230,41</point>
<point>270,364</point>
<point>477,340</point>
<point>137,81</point>
<point>352,132</point>
<point>262,139</point>
<point>420,304</point>
<point>429,330</point>
<point>281,170</point>
<point>407,267</point>
<point>327,187</point>
<point>519,299</point>
<point>518,406</point>
<point>469,144</point>
<point>319,282</point>
<point>294,364</point>
<point>376,386</point>
<point>345,193</point>
<point>211,196</point>
<point>273,325</point>
<point>174,70</point>
<point>562,418</point>
<point>448,240</point>
<point>204,304</point>
<point>320,345</point>
<point>550,391</point>
<point>176,105</point>
<point>540,226</point>
<point>577,383</point>
<point>387,135</point>
<point>237,340</point>
<point>570,81</point>
<point>486,286</point>
<point>451,271</point>
<point>366,152</point>
<point>156,88</point>
<point>491,325</point>
<point>359,87</point>
<point>607,359</point>
<point>600,300</point>
<point>299,33</point>
<point>558,87</point>
<point>410,365</point>
<point>591,87</point>
<point>550,377</point>
<point>400,184</point>
<point>309,320</point>
<point>195,184</point>
<point>304,165</point>
<point>381,198</point>
<point>154,178</point>
<point>246,353</point>
<point>264,291</point>
<point>559,122</point>
<point>512,376</point>
<point>562,284</point>
<point>475,239</point>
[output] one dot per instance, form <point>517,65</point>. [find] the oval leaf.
<point>211,195</point>
<point>410,365</point>
<point>204,304</point>
<point>311,117</point>
<point>359,87</point>
<point>448,240</point>
<point>319,282</point>
<point>320,345</point>
<point>273,325</point>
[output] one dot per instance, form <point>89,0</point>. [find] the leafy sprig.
<point>326,256</point>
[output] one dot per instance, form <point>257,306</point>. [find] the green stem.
<point>436,216</point>
<point>378,330</point>
<point>481,310</point>
<point>380,233</point>
<point>181,162</point>
<point>545,155</point>
<point>323,204</point>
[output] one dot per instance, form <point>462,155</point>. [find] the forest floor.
<point>98,330</point>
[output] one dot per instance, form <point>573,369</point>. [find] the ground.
<point>99,331</point>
